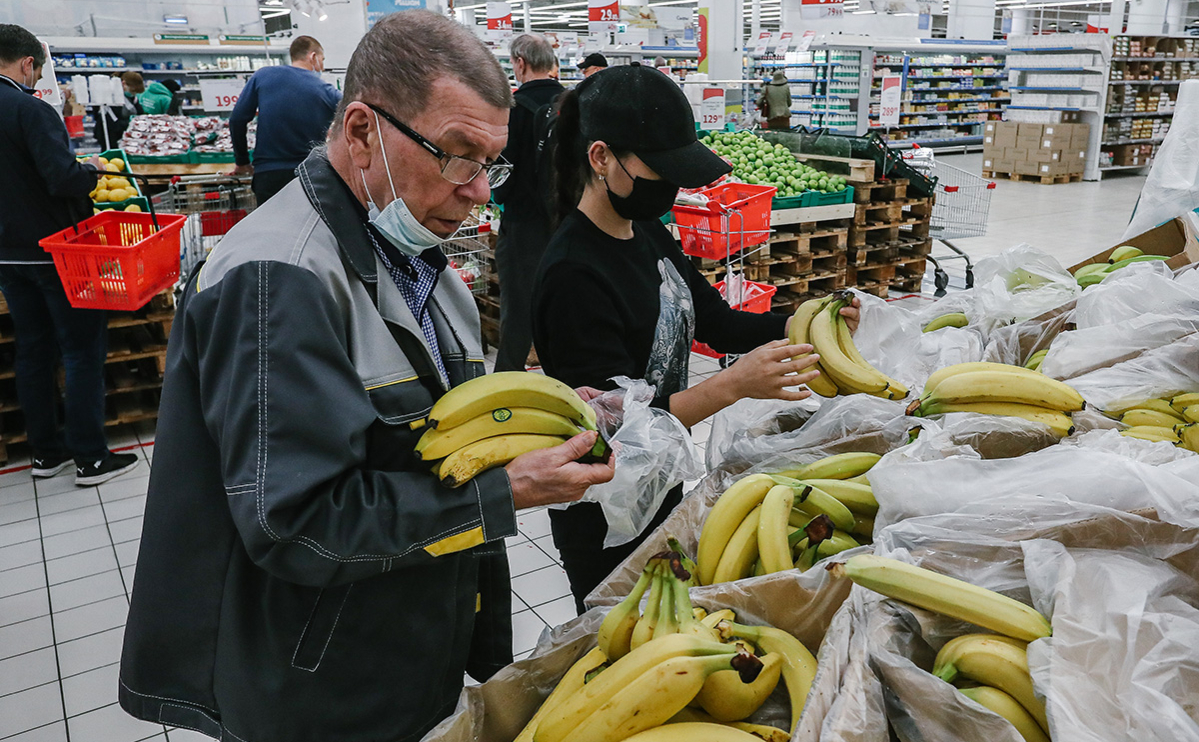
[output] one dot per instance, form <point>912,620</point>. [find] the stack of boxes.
<point>1046,150</point>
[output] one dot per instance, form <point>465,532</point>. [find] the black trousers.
<point>270,182</point>
<point>518,256</point>
<point>579,537</point>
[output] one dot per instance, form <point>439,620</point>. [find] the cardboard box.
<point>1045,155</point>
<point>1027,168</point>
<point>1080,138</point>
<point>989,127</point>
<point>1052,169</point>
<point>1006,136</point>
<point>1030,130</point>
<point>1175,238</point>
<point>1005,166</point>
<point>989,143</point>
<point>1075,166</point>
<point>1023,142</point>
<point>1015,154</point>
<point>1057,141</point>
<point>988,163</point>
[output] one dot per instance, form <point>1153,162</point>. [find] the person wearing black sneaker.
<point>46,191</point>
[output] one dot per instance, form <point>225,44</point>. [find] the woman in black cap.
<point>617,297</point>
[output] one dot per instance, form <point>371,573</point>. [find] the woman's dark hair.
<point>571,170</point>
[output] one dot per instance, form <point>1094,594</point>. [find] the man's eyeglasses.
<point>457,170</point>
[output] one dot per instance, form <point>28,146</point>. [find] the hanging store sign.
<point>603,16</point>
<point>711,109</point>
<point>817,9</point>
<point>180,38</point>
<point>786,39</point>
<point>499,16</point>
<point>220,95</point>
<point>764,39</point>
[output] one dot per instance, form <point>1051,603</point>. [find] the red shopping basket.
<point>116,259</point>
<point>756,300</point>
<point>737,216</point>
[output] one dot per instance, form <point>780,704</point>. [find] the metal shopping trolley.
<point>962,203</point>
<point>467,253</point>
<point>213,204</point>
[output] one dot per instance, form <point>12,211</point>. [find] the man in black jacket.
<point>45,190</point>
<point>526,227</point>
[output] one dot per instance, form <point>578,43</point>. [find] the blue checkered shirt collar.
<point>416,280</point>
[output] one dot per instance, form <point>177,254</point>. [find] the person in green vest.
<point>152,98</point>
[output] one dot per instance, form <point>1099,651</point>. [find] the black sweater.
<point>520,194</point>
<point>44,189</point>
<point>596,307</point>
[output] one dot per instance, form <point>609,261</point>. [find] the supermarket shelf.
<point>1155,59</point>
<point>1116,143</point>
<point>1098,70</point>
<point>1050,108</point>
<point>936,125</point>
<point>802,64</point>
<point>953,100</point>
<point>954,142</point>
<point>1138,114</point>
<point>1054,89</point>
<point>988,87</point>
<point>1058,49</point>
<point>194,71</point>
<point>1146,82</point>
<point>955,77</point>
<point>945,113</point>
<point>58,70</point>
<point>1125,167</point>
<point>940,66</point>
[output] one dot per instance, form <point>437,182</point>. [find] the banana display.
<point>1169,420</point>
<point>1093,273</point>
<point>766,523</point>
<point>489,421</point>
<point>674,672</point>
<point>842,368</point>
<point>1000,389</point>
<point>953,319</point>
<point>1000,665</point>
<point>1036,359</point>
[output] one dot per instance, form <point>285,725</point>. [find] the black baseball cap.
<point>594,59</point>
<point>640,110</point>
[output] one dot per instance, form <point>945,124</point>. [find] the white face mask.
<point>395,221</point>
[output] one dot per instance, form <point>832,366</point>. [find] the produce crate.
<point>757,300</point>
<point>219,157</point>
<point>741,219</point>
<point>187,158</point>
<point>813,198</point>
<point>140,201</point>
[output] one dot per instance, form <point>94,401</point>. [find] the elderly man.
<point>302,574</point>
<point>527,224</point>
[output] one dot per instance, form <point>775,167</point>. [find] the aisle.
<point>1070,221</point>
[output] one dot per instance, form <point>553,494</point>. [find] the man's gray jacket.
<point>302,575</point>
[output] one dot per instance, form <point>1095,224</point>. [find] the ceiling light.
<point>175,20</point>
<point>322,14</point>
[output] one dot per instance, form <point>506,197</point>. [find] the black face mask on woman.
<point>649,199</point>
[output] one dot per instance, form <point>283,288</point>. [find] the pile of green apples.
<point>757,161</point>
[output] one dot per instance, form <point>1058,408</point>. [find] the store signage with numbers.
<point>889,100</point>
<point>499,16</point>
<point>815,9</point>
<point>602,16</point>
<point>764,39</point>
<point>220,95</point>
<point>711,110</point>
<point>786,39</point>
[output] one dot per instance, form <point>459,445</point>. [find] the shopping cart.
<point>962,203</point>
<point>467,254</point>
<point>213,204</point>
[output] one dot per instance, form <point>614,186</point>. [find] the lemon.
<point>95,211</point>
<point>111,168</point>
<point>134,208</point>
<point>104,161</point>
<point>120,164</point>
<point>102,195</point>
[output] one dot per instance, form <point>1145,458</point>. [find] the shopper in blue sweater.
<point>294,107</point>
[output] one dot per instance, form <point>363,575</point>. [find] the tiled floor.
<point>67,557</point>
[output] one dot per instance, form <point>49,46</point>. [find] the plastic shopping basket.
<point>757,300</point>
<point>116,259</point>
<point>736,216</point>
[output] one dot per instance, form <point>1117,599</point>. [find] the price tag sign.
<point>602,15</point>
<point>815,9</point>
<point>889,100</point>
<point>220,95</point>
<point>46,87</point>
<point>764,39</point>
<point>711,110</point>
<point>786,38</point>
<point>499,16</point>
<point>805,42</point>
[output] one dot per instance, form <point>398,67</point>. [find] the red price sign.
<point>602,15</point>
<point>499,16</point>
<point>226,101</point>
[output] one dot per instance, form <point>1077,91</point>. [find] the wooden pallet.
<point>871,254</point>
<point>820,283</point>
<point>1042,179</point>
<point>877,212</point>
<point>853,168</point>
<point>865,192</point>
<point>869,275</point>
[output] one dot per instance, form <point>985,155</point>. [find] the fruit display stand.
<point>133,370</point>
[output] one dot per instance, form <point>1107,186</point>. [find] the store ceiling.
<point>572,14</point>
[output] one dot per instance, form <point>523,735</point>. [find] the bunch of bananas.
<point>1093,273</point>
<point>1000,389</point>
<point>998,661</point>
<point>1036,359</point>
<point>490,420</point>
<point>766,523</point>
<point>673,665</point>
<point>842,368</point>
<point>1174,420</point>
<point>953,319</point>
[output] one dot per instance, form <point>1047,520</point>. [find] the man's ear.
<point>359,134</point>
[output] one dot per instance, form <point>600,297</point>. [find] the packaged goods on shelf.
<point>158,135</point>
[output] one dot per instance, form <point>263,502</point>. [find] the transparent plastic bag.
<point>1160,372</point>
<point>1172,187</point>
<point>1018,284</point>
<point>1130,614</point>
<point>1138,308</point>
<point>653,451</point>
